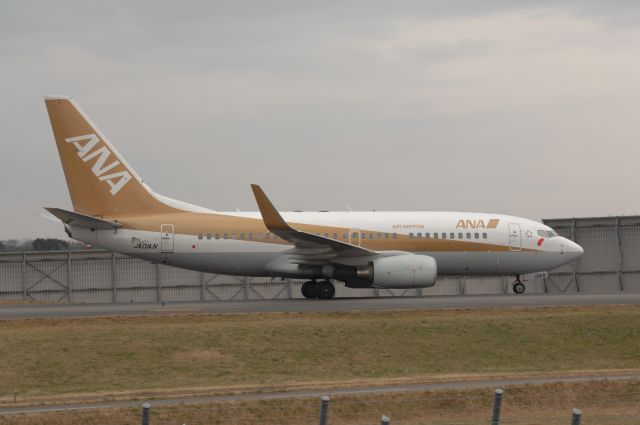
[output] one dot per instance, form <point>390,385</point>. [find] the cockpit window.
<point>547,234</point>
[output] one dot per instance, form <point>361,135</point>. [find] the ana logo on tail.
<point>85,145</point>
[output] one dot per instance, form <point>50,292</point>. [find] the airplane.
<point>115,209</point>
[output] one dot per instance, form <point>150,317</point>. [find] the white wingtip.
<point>49,217</point>
<point>57,97</point>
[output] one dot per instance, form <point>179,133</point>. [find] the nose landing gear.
<point>518,286</point>
<point>323,290</point>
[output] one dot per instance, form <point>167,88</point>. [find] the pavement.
<point>487,383</point>
<point>30,311</point>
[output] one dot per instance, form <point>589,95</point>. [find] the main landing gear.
<point>323,290</point>
<point>518,286</point>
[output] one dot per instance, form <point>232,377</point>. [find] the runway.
<point>484,383</point>
<point>304,305</point>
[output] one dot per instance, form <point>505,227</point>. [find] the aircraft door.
<point>515,241</point>
<point>166,238</point>
<point>354,237</point>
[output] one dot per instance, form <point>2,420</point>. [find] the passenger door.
<point>515,240</point>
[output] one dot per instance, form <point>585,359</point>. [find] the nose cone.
<point>574,250</point>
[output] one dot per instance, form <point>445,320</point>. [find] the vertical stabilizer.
<point>100,181</point>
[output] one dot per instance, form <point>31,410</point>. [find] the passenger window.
<point>363,236</point>
<point>460,236</point>
<point>354,235</point>
<point>379,235</point>
<point>395,236</point>
<point>370,235</point>
<point>476,235</point>
<point>444,235</point>
<point>224,236</point>
<point>199,235</point>
<point>410,235</point>
<point>208,235</point>
<point>250,235</point>
<point>386,236</point>
<point>452,235</point>
<point>217,235</point>
<point>419,234</point>
<point>233,236</point>
<point>435,236</point>
<point>468,235</point>
<point>335,236</point>
<point>241,235</point>
<point>484,236</point>
<point>345,236</point>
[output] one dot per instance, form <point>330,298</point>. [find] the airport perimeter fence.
<point>611,263</point>
<point>546,407</point>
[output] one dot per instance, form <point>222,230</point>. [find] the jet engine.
<point>400,271</point>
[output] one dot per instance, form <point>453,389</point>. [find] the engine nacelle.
<point>400,271</point>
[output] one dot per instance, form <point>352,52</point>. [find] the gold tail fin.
<point>100,181</point>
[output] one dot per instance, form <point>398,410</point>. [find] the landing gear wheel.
<point>305,289</point>
<point>326,290</point>
<point>310,289</point>
<point>519,288</point>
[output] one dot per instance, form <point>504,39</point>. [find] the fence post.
<point>158,284</point>
<point>324,409</point>
<point>575,270</point>
<point>23,276</point>
<point>620,255</point>
<point>497,405</point>
<point>114,278</point>
<point>146,407</point>
<point>575,416</point>
<point>384,420</point>
<point>68,273</point>
<point>202,283</point>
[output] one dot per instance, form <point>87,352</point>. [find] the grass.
<point>90,355</point>
<point>602,403</point>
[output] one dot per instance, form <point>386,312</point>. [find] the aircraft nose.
<point>574,250</point>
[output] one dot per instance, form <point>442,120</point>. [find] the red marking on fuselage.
<point>540,241</point>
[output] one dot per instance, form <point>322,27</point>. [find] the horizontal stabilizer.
<point>82,220</point>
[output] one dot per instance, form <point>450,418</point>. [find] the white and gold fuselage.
<point>244,246</point>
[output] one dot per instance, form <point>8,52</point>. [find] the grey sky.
<point>525,108</point>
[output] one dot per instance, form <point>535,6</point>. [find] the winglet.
<point>270,215</point>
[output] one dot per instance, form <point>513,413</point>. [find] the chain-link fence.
<point>610,264</point>
<point>611,260</point>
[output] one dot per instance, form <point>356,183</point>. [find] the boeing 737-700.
<point>115,209</point>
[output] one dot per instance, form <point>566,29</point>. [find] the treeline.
<point>39,244</point>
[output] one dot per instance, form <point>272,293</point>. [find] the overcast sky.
<point>524,108</point>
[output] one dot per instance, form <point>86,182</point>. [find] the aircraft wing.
<point>309,248</point>
<point>82,220</point>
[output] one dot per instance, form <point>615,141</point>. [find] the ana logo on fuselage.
<point>477,224</point>
<point>115,180</point>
